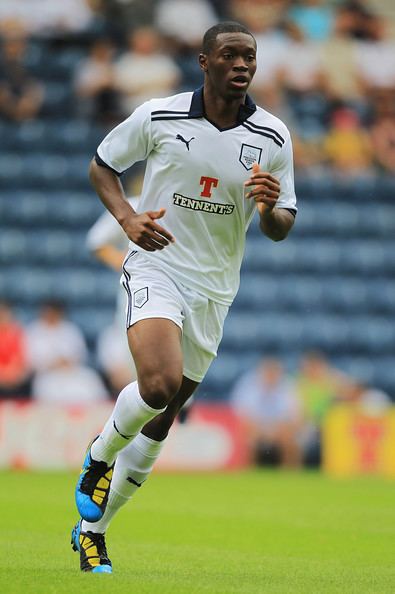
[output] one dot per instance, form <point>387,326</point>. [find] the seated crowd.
<point>46,361</point>
<point>326,68</point>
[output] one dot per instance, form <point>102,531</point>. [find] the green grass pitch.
<point>243,533</point>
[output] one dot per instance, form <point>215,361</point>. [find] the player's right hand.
<point>146,233</point>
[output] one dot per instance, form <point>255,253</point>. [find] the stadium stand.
<point>329,287</point>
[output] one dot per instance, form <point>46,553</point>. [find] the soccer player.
<point>212,157</point>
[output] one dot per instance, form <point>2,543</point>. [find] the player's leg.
<point>156,348</point>
<point>199,348</point>
<point>135,462</point>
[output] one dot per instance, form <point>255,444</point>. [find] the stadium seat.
<point>341,294</point>
<point>58,99</point>
<point>33,285</point>
<point>330,286</point>
<point>370,334</point>
<point>76,209</point>
<point>370,257</point>
<point>223,373</point>
<point>11,170</point>
<point>92,320</point>
<point>14,246</point>
<point>73,136</point>
<point>324,332</point>
<point>256,291</point>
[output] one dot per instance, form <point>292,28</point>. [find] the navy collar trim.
<point>197,107</point>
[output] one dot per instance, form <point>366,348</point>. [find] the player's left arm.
<point>274,194</point>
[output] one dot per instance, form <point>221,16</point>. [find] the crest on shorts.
<point>140,297</point>
<point>249,155</point>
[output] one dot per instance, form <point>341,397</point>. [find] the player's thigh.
<point>154,317</point>
<point>155,344</point>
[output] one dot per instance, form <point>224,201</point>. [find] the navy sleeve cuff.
<point>102,163</point>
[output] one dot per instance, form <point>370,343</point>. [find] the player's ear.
<point>203,62</point>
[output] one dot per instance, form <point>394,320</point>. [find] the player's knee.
<point>159,427</point>
<point>159,389</point>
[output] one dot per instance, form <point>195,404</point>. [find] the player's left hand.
<point>266,190</point>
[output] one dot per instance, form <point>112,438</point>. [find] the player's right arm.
<point>127,143</point>
<point>142,228</point>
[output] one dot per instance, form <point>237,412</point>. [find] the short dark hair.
<point>211,34</point>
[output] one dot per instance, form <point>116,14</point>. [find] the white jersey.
<point>196,171</point>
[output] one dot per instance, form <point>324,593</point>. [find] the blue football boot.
<point>92,549</point>
<point>93,487</point>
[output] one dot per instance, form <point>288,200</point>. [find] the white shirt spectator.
<point>47,344</point>
<point>375,63</point>
<point>271,49</point>
<point>144,71</point>
<point>301,65</point>
<point>264,403</point>
<point>185,20</point>
<point>46,16</point>
<point>69,384</point>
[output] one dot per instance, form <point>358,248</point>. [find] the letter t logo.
<point>208,183</point>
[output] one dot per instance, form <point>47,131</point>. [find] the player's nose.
<point>240,65</point>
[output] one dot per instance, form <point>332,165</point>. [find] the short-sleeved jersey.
<point>196,171</point>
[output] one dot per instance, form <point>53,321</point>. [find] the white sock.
<point>129,416</point>
<point>135,462</point>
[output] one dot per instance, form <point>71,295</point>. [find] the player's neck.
<point>219,111</point>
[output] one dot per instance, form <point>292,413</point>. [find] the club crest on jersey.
<point>249,155</point>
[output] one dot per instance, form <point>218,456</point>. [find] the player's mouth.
<point>240,81</point>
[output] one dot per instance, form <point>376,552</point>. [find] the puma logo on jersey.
<point>186,142</point>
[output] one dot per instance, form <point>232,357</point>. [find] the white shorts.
<point>153,294</point>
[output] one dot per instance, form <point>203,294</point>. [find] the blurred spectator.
<point>259,16</point>
<point>271,49</point>
<point>347,146</point>
<point>184,42</point>
<point>319,387</point>
<point>337,55</point>
<point>354,19</point>
<point>46,17</point>
<point>14,367</point>
<point>308,155</point>
<point>95,84</point>
<point>301,70</point>
<point>382,132</point>
<point>21,96</point>
<point>315,18</point>
<point>301,75</point>
<point>185,21</point>
<point>68,383</point>
<point>268,403</point>
<point>107,240</point>
<point>124,14</point>
<point>375,59</point>
<point>143,71</point>
<point>53,339</point>
<point>370,401</point>
<point>114,358</point>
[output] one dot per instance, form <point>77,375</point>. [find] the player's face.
<point>231,64</point>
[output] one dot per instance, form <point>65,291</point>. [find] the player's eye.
<point>228,56</point>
